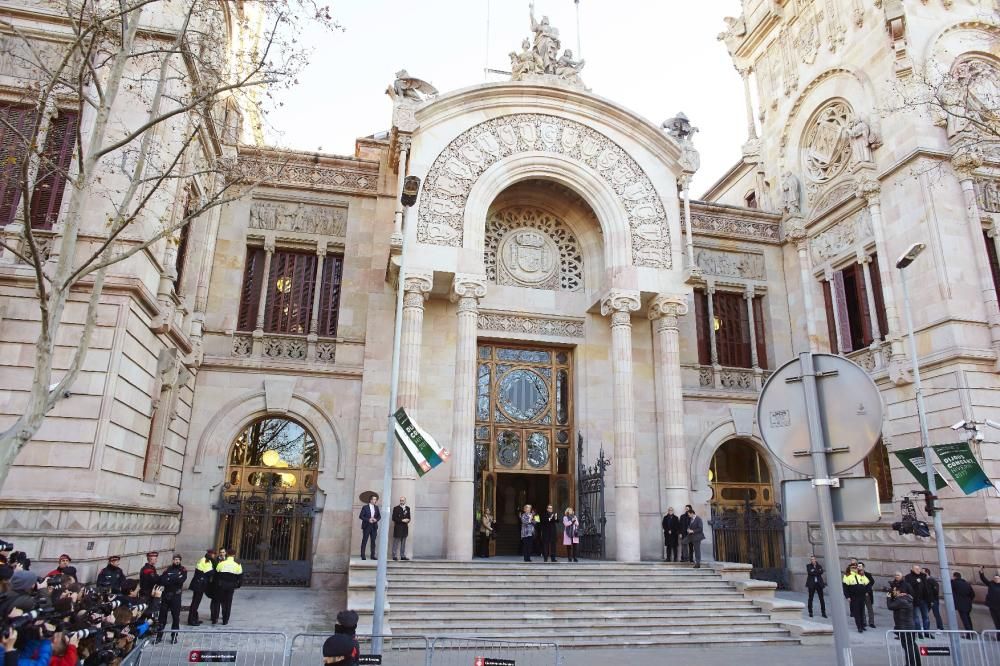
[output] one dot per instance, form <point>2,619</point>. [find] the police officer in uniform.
<point>203,572</point>
<point>147,575</point>
<point>228,577</point>
<point>172,580</point>
<point>111,576</point>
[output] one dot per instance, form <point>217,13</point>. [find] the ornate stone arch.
<point>240,412</point>
<point>717,435</point>
<point>443,212</point>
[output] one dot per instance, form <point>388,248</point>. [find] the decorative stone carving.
<point>723,263</point>
<point>864,139</point>
<point>454,171</point>
<point>539,59</point>
<point>285,348</point>
<point>410,88</point>
<point>988,195</point>
<point>301,217</point>
<point>868,190</point>
<point>682,131</point>
<point>620,304</point>
<point>826,150</point>
<point>706,376</point>
<point>666,309</point>
<point>525,63</point>
<point>530,325</point>
<point>266,169</point>
<point>895,23</point>
<point>842,236</point>
<point>736,30</point>
<point>807,39</point>
<point>966,162</point>
<point>858,13</point>
<point>466,290</point>
<point>833,196</point>
<point>528,247</point>
<point>969,98</point>
<point>737,379</point>
<point>835,28</point>
<point>733,227</point>
<point>546,43</point>
<point>242,345</point>
<point>791,193</point>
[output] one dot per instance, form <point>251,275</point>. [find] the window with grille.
<point>289,292</point>
<point>877,466</point>
<point>731,322</point>
<point>848,293</point>
<point>16,125</point>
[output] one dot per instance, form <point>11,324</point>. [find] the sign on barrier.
<point>487,661</point>
<point>203,656</point>
<point>935,648</point>
<point>466,650</point>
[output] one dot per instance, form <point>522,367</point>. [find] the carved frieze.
<point>299,217</point>
<point>455,170</point>
<point>273,171</point>
<point>733,227</point>
<point>807,39</point>
<point>528,247</point>
<point>723,263</point>
<point>527,324</point>
<point>842,236</point>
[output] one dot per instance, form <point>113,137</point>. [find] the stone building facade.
<point>559,282</point>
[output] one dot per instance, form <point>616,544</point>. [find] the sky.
<point>654,57</point>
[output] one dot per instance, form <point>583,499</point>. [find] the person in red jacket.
<point>64,568</point>
<point>64,650</point>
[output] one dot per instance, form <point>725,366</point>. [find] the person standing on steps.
<point>685,520</point>
<point>671,535</point>
<point>203,571</point>
<point>992,595</point>
<point>227,579</point>
<point>571,534</point>
<point>486,527</point>
<point>964,597</point>
<point>547,527</point>
<point>401,516</point>
<point>815,584</point>
<point>527,532</point>
<point>695,535</point>
<point>369,516</point>
<point>869,594</point>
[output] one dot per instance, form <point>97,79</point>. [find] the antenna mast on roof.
<point>486,60</point>
<point>579,49</point>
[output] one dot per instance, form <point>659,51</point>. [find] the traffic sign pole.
<point>821,481</point>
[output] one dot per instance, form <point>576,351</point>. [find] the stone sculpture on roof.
<point>539,60</point>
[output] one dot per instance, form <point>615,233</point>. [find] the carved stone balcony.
<point>282,347</point>
<point>721,378</point>
<point>873,359</point>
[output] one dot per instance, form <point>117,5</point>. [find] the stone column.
<point>416,287</point>
<point>466,291</point>
<point>397,218</point>
<point>751,125</point>
<point>313,336</point>
<point>620,305</point>
<point>258,331</point>
<point>865,262</point>
<point>748,296</point>
<point>663,313</point>
<point>685,181</point>
<point>965,164</point>
<point>899,371</point>
<point>838,344</point>
<point>713,348</point>
<point>795,231</point>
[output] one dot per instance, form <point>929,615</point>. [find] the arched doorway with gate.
<point>746,518</point>
<point>269,501</point>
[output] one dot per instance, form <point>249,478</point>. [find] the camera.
<point>80,634</point>
<point>6,545</point>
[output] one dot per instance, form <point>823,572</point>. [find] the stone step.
<point>589,606</point>
<point>719,633</point>
<point>563,576</point>
<point>551,588</point>
<point>493,595</point>
<point>625,623</point>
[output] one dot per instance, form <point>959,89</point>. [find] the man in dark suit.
<point>370,515</point>
<point>400,529</point>
<point>686,551</point>
<point>671,534</point>
<point>815,584</point>
<point>695,535</point>
<point>964,596</point>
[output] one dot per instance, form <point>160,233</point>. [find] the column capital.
<point>863,257</point>
<point>869,190</point>
<point>420,283</point>
<point>620,301</point>
<point>684,180</point>
<point>749,292</point>
<point>794,228</point>
<point>965,163</point>
<point>468,286</point>
<point>269,243</point>
<point>668,306</point>
<point>321,248</point>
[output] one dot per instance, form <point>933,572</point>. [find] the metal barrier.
<point>186,646</point>
<point>935,648</point>
<point>463,650</point>
<point>990,640</point>
<point>397,650</point>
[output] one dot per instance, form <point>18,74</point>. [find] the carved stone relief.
<point>724,263</point>
<point>270,171</point>
<point>835,28</point>
<point>841,237</point>
<point>826,147</point>
<point>988,195</point>
<point>299,217</point>
<point>807,39</point>
<point>455,170</point>
<point>528,247</point>
<point>514,323</point>
<point>726,226</point>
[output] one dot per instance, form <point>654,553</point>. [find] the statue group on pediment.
<point>540,57</point>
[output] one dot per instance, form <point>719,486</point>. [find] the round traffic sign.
<point>850,407</point>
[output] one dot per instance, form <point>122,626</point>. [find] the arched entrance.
<point>268,503</point>
<point>746,520</point>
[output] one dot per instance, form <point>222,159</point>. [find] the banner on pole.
<point>424,453</point>
<point>913,460</point>
<point>958,459</point>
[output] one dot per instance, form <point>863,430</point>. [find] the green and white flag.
<point>424,453</point>
<point>958,459</point>
<point>913,460</point>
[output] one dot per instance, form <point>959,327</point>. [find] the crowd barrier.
<point>941,648</point>
<point>990,640</point>
<point>252,648</point>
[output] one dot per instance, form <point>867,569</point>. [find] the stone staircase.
<point>584,604</point>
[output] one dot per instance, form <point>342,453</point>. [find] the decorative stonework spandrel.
<point>841,237</point>
<point>301,217</point>
<point>723,263</point>
<point>528,247</point>
<point>531,325</point>
<point>456,169</point>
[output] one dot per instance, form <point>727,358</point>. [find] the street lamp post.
<point>945,571</point>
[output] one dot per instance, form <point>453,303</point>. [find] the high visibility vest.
<point>229,565</point>
<point>204,565</point>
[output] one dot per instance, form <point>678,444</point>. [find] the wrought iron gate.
<point>754,535</point>
<point>270,533</point>
<point>590,496</point>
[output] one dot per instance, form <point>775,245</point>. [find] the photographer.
<point>64,650</point>
<point>64,568</point>
<point>901,604</point>
<point>172,582</point>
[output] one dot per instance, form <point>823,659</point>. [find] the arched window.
<point>739,472</point>
<point>877,465</point>
<point>273,452</point>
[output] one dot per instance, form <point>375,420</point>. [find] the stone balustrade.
<point>723,378</point>
<point>284,347</point>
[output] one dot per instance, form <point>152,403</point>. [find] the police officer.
<point>172,580</point>
<point>111,576</point>
<point>228,577</point>
<point>148,575</point>
<point>203,572</point>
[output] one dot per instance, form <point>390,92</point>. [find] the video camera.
<point>909,524</point>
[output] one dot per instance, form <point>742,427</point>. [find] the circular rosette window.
<point>508,448</point>
<point>523,395</point>
<point>538,450</point>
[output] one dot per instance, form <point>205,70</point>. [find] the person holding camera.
<point>203,572</point>
<point>64,568</point>
<point>111,577</point>
<point>64,649</point>
<point>172,581</point>
<point>900,603</point>
<point>227,579</point>
<point>571,534</point>
<point>992,596</point>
